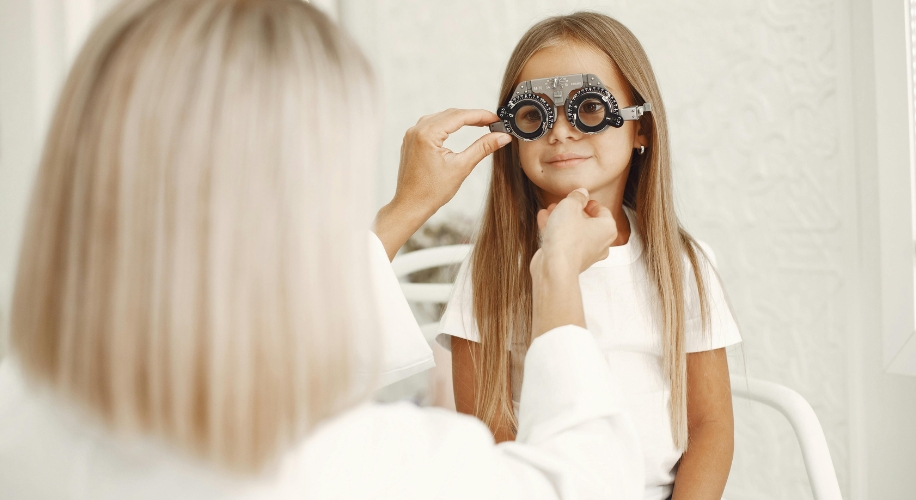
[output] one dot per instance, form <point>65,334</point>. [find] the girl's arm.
<point>704,467</point>
<point>464,382</point>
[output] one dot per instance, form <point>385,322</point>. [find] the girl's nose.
<point>562,130</point>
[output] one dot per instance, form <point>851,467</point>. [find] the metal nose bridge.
<point>558,84</point>
<point>555,87</point>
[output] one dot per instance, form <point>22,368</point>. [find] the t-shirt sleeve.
<point>723,329</point>
<point>458,319</point>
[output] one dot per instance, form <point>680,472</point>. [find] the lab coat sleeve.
<point>574,439</point>
<point>406,351</point>
<point>573,430</point>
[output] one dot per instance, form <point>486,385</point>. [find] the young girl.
<point>655,304</point>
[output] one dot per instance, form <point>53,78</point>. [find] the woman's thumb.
<point>595,209</point>
<point>580,195</point>
<point>484,147</point>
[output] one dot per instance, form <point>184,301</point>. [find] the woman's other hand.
<point>575,234</point>
<point>430,174</point>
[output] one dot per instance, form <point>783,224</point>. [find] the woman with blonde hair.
<point>193,314</point>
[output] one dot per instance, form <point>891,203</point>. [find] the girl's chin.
<point>554,194</point>
<point>562,185</point>
<point>554,189</point>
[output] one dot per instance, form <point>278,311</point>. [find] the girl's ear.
<point>640,139</point>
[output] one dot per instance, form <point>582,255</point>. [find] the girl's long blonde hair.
<point>195,255</point>
<point>508,236</point>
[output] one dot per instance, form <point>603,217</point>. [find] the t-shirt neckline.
<point>626,254</point>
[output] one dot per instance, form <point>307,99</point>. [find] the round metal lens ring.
<point>538,102</point>
<point>611,110</point>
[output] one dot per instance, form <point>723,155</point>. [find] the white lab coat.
<point>573,441</point>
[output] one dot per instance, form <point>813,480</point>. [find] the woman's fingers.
<point>579,195</point>
<point>543,214</point>
<point>575,201</point>
<point>450,120</point>
<point>597,210</point>
<point>577,230</point>
<point>437,127</point>
<point>593,209</point>
<point>483,147</point>
<point>429,175</point>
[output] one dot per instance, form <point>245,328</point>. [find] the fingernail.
<point>583,191</point>
<point>504,139</point>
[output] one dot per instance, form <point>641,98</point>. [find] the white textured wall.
<point>38,40</point>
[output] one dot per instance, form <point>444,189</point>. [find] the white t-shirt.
<point>619,311</point>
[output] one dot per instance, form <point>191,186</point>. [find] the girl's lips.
<point>566,160</point>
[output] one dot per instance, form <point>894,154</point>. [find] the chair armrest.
<point>807,427</point>
<point>411,262</point>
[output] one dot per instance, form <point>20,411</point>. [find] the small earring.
<point>642,149</point>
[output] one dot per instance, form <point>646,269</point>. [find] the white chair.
<point>807,427</point>
<point>791,404</point>
<point>428,258</point>
<point>801,416</point>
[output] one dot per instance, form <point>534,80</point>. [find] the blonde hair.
<point>508,236</point>
<point>195,254</point>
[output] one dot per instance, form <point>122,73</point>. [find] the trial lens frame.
<point>528,93</point>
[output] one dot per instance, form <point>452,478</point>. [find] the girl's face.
<point>565,159</point>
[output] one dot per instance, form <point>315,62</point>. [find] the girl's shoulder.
<point>722,328</point>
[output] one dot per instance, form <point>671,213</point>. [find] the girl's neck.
<point>623,225</point>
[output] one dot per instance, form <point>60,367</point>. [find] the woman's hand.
<point>575,234</point>
<point>430,174</point>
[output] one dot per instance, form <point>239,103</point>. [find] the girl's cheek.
<point>528,158</point>
<point>613,153</point>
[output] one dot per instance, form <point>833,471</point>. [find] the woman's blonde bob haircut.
<point>195,254</point>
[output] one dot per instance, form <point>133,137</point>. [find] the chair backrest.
<point>428,258</point>
<point>807,427</point>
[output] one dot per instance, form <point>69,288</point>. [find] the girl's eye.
<point>591,107</point>
<point>591,113</point>
<point>528,119</point>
